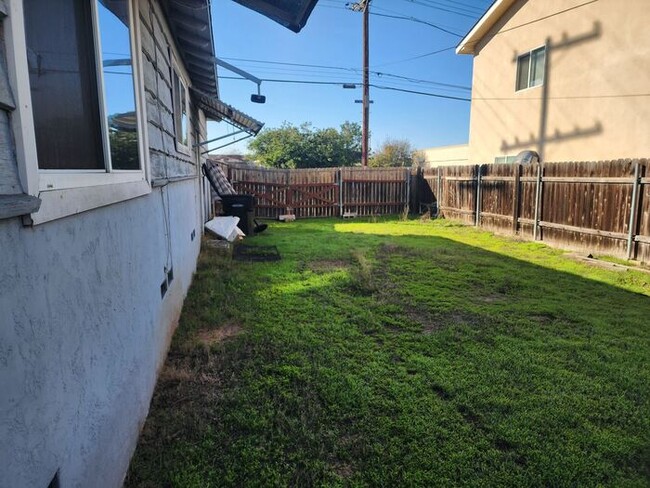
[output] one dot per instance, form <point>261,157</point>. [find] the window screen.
<point>523,67</point>
<point>63,79</point>
<point>530,69</point>
<point>68,96</point>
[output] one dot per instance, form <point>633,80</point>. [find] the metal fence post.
<point>478,197</point>
<point>439,194</point>
<point>517,199</point>
<point>340,172</point>
<point>634,208</point>
<point>538,194</point>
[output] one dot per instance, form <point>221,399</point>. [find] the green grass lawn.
<point>401,353</point>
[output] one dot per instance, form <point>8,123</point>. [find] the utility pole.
<point>364,6</point>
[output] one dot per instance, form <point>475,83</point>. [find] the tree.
<point>291,146</point>
<point>393,152</point>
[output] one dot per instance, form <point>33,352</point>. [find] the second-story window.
<point>530,69</point>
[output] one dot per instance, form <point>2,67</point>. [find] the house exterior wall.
<point>597,88</point>
<point>83,327</point>
<point>446,155</point>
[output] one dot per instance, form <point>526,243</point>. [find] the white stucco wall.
<point>83,327</point>
<point>83,330</point>
<point>446,155</point>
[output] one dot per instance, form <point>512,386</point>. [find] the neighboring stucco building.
<point>102,103</point>
<point>567,78</point>
<point>445,155</point>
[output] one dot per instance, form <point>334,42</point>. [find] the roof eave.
<point>191,24</point>
<point>293,20</point>
<point>483,25</point>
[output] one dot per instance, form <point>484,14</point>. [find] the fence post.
<point>439,193</point>
<point>516,204</point>
<point>634,208</point>
<point>289,194</point>
<point>478,196</point>
<point>538,194</point>
<point>408,187</point>
<point>340,172</point>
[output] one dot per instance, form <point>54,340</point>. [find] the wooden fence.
<point>323,192</point>
<point>601,207</point>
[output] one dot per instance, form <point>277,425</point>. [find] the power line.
<point>355,70</point>
<point>460,13</point>
<point>436,95</point>
<point>414,19</point>
<point>339,83</point>
<point>461,7</point>
<point>418,57</point>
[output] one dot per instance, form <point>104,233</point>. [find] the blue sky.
<point>332,38</point>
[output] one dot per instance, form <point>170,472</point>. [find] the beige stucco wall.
<point>598,87</point>
<point>445,155</point>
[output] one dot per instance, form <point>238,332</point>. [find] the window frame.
<point>505,159</point>
<point>68,192</point>
<point>530,69</point>
<point>176,71</point>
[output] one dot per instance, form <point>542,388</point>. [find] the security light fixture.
<point>255,98</point>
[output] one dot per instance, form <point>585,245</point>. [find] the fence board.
<point>322,192</point>
<point>583,205</point>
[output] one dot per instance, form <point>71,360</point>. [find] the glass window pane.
<point>180,109</point>
<point>63,83</point>
<point>537,67</point>
<point>119,89</point>
<point>183,116</point>
<point>522,71</point>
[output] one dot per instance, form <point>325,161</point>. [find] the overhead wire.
<point>414,19</point>
<point>334,83</point>
<point>353,70</point>
<point>442,9</point>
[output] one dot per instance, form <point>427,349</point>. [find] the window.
<point>82,86</point>
<point>180,97</point>
<point>505,159</point>
<point>530,69</point>
<point>76,75</point>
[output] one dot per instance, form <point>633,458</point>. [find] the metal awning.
<point>217,110</point>
<point>191,24</point>
<point>292,14</point>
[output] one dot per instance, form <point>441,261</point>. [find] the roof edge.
<point>483,25</point>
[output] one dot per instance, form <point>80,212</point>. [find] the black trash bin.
<point>242,206</point>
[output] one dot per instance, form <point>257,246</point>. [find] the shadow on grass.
<point>403,354</point>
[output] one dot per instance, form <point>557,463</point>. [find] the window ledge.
<point>17,205</point>
<point>63,203</point>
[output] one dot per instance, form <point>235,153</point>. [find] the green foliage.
<point>124,149</point>
<point>303,146</point>
<point>393,152</point>
<point>403,353</point>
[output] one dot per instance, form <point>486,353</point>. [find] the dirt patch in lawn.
<point>327,265</point>
<point>343,470</point>
<point>433,322</point>
<point>210,337</point>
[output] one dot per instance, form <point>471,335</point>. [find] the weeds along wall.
<point>600,207</point>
